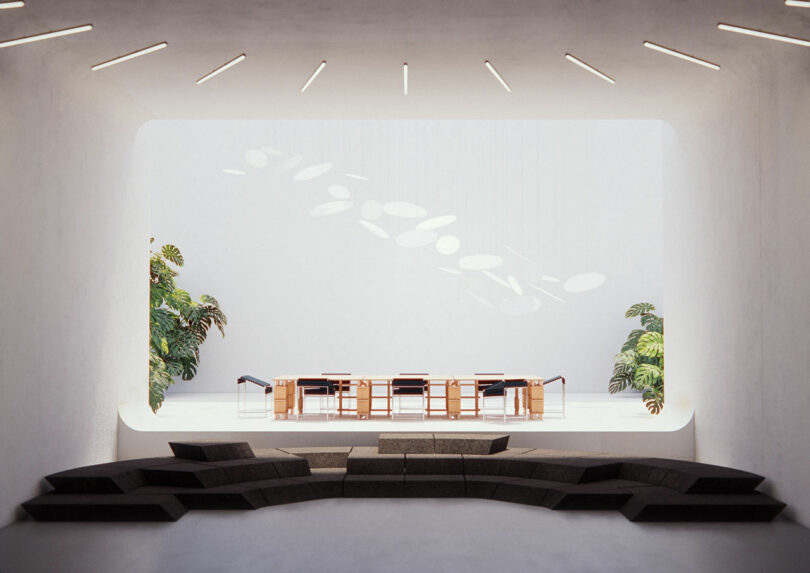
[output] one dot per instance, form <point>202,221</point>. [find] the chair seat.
<point>407,391</point>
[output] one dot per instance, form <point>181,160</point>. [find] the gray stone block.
<point>434,486</point>
<point>105,507</point>
<point>322,457</point>
<point>211,451</point>
<point>481,444</point>
<point>434,464</point>
<point>286,490</point>
<point>374,485</point>
<point>367,460</point>
<point>405,443</point>
<point>186,474</point>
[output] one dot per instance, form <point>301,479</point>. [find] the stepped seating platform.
<point>233,476</point>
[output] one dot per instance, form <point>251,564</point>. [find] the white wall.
<point>737,233</point>
<point>307,293</point>
<point>72,271</point>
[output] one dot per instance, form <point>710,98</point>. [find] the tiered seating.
<point>232,476</point>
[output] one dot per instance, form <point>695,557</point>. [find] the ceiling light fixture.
<point>405,78</point>
<point>46,36</point>
<point>9,5</point>
<point>222,68</point>
<point>763,34</point>
<point>129,56</point>
<point>498,77</point>
<point>798,3</point>
<point>590,68</point>
<point>314,75</point>
<point>681,55</point>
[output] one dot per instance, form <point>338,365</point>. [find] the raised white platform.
<point>594,422</point>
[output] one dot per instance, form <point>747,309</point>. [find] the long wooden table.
<point>346,385</point>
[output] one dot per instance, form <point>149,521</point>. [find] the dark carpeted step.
<point>287,490</point>
<point>374,485</point>
<point>483,486</point>
<point>690,477</point>
<point>425,485</point>
<point>608,494</point>
<point>368,460</point>
<point>675,506</point>
<point>114,477</point>
<point>326,482</point>
<point>105,507</point>
<point>211,451</point>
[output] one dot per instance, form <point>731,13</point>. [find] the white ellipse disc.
<point>584,282</point>
<point>404,209</point>
<point>339,192</point>
<point>437,222</point>
<point>480,262</point>
<point>256,158</point>
<point>416,238</point>
<point>330,208</point>
<point>447,244</point>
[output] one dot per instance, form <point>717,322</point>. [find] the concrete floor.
<point>381,535</point>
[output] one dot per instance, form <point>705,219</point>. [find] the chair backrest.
<point>245,378</point>
<point>496,389</point>
<point>314,382</point>
<point>408,385</point>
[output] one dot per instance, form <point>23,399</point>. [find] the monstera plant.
<point>177,324</point>
<point>640,364</point>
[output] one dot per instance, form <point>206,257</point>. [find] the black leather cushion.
<point>408,386</point>
<point>246,378</point>
<point>495,389</point>
<point>516,383</point>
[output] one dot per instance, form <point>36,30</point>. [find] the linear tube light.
<point>681,55</point>
<point>498,77</point>
<point>129,56</point>
<point>314,75</point>
<point>798,3</point>
<point>763,34</point>
<point>9,5</point>
<point>222,68</point>
<point>590,68</point>
<point>405,78</point>
<point>46,36</point>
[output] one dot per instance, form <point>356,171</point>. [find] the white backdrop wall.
<point>737,233</point>
<point>319,238</point>
<point>72,270</point>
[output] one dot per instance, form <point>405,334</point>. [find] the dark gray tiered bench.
<point>230,475</point>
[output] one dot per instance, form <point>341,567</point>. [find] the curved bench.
<point>232,476</point>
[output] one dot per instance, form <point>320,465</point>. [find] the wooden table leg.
<point>300,400</point>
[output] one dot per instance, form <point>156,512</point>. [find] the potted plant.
<point>177,325</point>
<point>640,364</point>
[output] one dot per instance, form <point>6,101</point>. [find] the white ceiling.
<point>444,42</point>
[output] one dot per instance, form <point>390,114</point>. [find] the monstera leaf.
<point>632,340</point>
<point>178,325</point>
<point>652,323</point>
<point>638,309</point>
<point>651,345</point>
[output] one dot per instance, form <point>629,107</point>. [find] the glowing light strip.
<point>763,34</point>
<point>222,68</point>
<point>9,5</point>
<point>589,67</point>
<point>498,77</point>
<point>681,55</point>
<point>129,56</point>
<point>405,78</point>
<point>46,36</point>
<point>314,75</point>
<point>798,3</point>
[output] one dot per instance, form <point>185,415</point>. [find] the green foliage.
<point>640,364</point>
<point>178,325</point>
